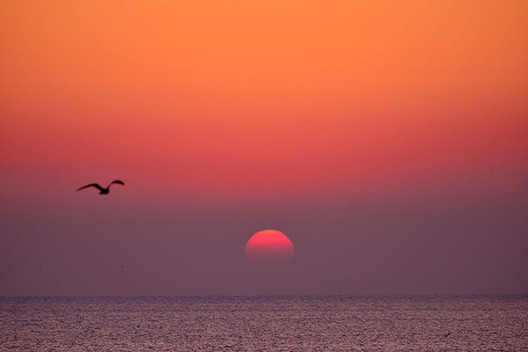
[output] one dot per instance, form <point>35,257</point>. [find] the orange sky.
<point>238,98</point>
<point>387,139</point>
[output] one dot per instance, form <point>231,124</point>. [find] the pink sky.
<point>389,141</point>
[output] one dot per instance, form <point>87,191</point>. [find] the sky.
<point>387,139</point>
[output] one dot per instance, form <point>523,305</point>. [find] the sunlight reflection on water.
<point>264,323</point>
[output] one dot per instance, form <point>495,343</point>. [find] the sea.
<point>264,323</point>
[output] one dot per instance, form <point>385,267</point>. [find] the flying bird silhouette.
<point>101,189</point>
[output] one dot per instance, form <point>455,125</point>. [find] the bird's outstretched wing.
<point>91,185</point>
<point>119,182</point>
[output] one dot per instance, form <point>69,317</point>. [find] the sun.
<point>269,247</point>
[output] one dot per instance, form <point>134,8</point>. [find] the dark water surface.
<point>489,323</point>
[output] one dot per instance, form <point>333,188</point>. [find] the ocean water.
<point>498,323</point>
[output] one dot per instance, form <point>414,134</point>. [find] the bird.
<point>101,189</point>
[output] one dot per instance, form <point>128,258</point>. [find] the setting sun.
<point>269,247</point>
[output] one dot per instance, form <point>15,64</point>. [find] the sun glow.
<point>269,247</point>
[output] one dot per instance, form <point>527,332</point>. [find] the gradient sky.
<point>387,139</point>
